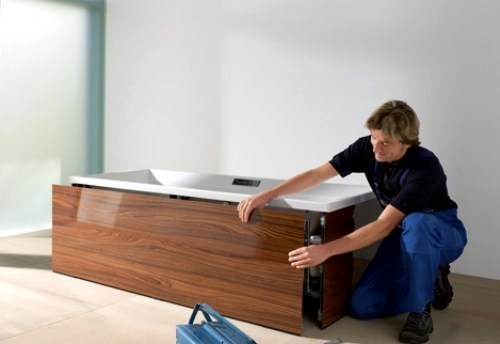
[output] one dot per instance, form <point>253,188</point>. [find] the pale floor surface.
<point>39,306</point>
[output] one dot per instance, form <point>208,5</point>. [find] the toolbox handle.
<point>209,313</point>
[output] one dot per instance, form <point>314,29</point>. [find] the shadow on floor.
<point>31,261</point>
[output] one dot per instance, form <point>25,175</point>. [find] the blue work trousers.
<point>401,276</point>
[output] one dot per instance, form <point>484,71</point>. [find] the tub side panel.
<point>182,251</point>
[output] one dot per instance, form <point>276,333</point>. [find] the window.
<point>51,89</point>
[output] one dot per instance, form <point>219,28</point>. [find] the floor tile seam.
<point>69,318</point>
<point>48,324</point>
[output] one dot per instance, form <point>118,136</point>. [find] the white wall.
<point>269,88</point>
<point>162,85</point>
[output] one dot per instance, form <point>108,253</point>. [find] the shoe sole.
<point>412,338</point>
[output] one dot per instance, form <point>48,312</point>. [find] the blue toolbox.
<point>213,330</point>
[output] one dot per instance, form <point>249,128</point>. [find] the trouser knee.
<point>419,233</point>
<point>359,307</point>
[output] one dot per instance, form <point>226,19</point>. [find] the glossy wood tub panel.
<point>182,251</point>
<point>338,270</point>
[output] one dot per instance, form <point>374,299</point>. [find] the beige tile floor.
<point>39,306</point>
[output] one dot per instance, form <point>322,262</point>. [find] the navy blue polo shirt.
<point>415,182</point>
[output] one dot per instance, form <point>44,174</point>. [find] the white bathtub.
<point>323,198</point>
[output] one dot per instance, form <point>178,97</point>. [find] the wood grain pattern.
<point>338,270</point>
<point>182,251</point>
